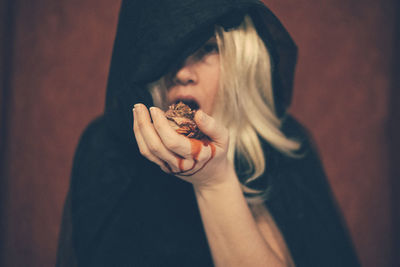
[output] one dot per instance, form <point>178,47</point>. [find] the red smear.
<point>196,146</point>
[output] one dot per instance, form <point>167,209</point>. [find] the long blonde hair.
<point>245,101</point>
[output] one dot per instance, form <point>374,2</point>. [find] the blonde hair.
<point>245,101</point>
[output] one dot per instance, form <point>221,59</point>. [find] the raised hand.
<point>200,162</point>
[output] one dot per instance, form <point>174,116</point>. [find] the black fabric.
<point>122,210</point>
<point>153,36</point>
<point>126,212</point>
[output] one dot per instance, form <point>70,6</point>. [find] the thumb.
<point>208,125</point>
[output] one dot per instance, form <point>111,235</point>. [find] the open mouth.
<point>189,102</point>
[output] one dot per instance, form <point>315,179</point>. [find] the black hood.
<point>155,35</point>
<point>122,210</point>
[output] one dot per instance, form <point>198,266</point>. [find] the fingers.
<point>149,142</point>
<point>170,138</point>
<point>205,156</point>
<point>202,152</point>
<point>144,149</point>
<point>174,153</point>
<point>211,128</point>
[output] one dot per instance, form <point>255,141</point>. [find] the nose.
<point>186,74</point>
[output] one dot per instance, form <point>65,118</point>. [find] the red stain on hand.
<point>196,146</point>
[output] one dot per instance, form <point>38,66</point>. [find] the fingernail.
<point>138,106</point>
<point>152,111</point>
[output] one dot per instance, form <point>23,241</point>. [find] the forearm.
<point>231,230</point>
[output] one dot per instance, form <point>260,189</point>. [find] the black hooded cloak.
<point>122,210</point>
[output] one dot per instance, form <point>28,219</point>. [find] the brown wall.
<point>59,60</point>
<point>343,90</point>
<point>393,133</point>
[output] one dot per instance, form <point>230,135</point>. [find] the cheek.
<point>173,93</point>
<point>170,95</point>
<point>213,87</point>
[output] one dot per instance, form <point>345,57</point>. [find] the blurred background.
<point>53,70</point>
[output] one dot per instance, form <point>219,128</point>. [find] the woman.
<point>254,195</point>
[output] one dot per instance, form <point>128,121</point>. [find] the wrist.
<point>227,181</point>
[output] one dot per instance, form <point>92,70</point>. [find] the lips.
<point>190,101</point>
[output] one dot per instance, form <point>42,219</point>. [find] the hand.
<point>201,162</point>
